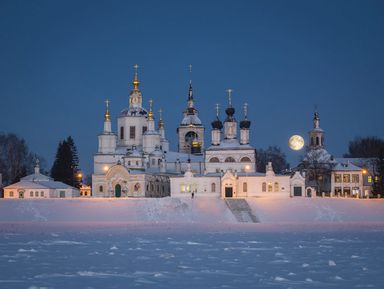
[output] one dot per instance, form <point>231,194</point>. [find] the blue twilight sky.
<point>59,60</point>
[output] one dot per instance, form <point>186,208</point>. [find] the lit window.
<point>346,178</point>
<point>355,178</point>
<point>337,178</point>
<point>369,179</point>
<point>270,187</point>
<point>276,187</point>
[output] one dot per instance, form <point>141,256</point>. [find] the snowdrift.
<point>186,210</point>
<point>204,210</point>
<point>315,210</point>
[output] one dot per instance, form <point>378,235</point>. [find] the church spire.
<point>150,113</point>
<point>107,115</point>
<point>190,91</point>
<point>136,81</point>
<point>316,135</point>
<point>316,120</point>
<point>161,122</point>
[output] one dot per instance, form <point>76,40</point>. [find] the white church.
<point>137,161</point>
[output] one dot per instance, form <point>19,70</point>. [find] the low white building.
<point>238,184</point>
<point>39,186</point>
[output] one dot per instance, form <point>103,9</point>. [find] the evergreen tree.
<point>66,165</point>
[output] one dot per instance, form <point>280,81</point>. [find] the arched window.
<point>36,194</point>
<point>100,189</point>
<point>245,187</point>
<point>229,160</point>
<point>213,187</point>
<point>214,160</point>
<point>264,187</point>
<point>276,186</point>
<point>317,141</point>
<point>41,194</point>
<point>11,194</point>
<point>31,194</point>
<point>245,160</point>
<point>270,188</point>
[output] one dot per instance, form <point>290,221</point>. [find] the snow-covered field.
<point>176,243</point>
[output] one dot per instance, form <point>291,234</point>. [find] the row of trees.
<point>17,161</point>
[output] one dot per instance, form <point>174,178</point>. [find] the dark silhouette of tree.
<point>372,149</point>
<point>66,165</point>
<point>16,160</point>
<point>271,154</point>
<point>318,165</point>
<point>368,147</point>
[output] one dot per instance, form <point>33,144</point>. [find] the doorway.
<point>117,191</point>
<point>228,192</point>
<point>21,195</point>
<point>297,192</point>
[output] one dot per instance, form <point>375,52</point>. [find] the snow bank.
<point>314,210</point>
<point>204,210</point>
<point>185,210</point>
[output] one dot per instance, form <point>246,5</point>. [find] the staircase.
<point>241,210</point>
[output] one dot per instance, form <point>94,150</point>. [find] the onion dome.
<point>217,124</point>
<point>245,123</point>
<point>230,111</point>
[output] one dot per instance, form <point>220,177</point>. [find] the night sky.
<point>59,61</point>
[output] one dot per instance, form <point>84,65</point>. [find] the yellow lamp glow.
<point>106,168</point>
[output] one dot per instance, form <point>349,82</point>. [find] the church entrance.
<point>297,191</point>
<point>117,191</point>
<point>228,192</point>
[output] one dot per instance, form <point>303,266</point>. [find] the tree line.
<point>17,161</point>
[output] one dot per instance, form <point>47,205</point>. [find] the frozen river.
<point>38,255</point>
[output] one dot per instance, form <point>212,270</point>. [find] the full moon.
<point>296,142</point>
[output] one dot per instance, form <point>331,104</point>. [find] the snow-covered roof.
<point>320,155</point>
<point>134,111</point>
<point>36,177</point>
<point>230,144</point>
<point>172,157</point>
<point>191,119</point>
<point>31,185</point>
<point>346,167</point>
